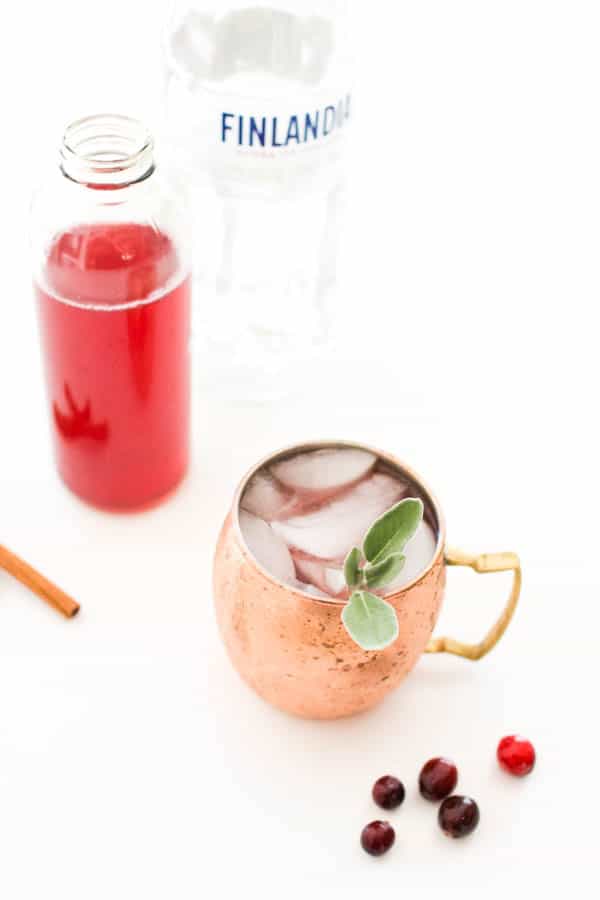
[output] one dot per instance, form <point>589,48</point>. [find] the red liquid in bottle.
<point>115,328</point>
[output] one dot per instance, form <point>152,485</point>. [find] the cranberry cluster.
<point>458,815</point>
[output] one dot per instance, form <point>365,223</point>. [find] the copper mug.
<point>292,648</point>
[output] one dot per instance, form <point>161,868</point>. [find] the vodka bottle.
<point>258,108</point>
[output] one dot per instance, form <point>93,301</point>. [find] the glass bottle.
<point>112,282</point>
<point>258,108</point>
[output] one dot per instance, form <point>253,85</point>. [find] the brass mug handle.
<point>484,563</point>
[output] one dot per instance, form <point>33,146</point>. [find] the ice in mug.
<point>301,515</point>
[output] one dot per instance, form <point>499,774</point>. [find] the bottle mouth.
<point>107,150</point>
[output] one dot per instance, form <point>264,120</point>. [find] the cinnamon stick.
<point>37,583</point>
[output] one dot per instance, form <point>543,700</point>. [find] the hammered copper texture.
<point>293,649</point>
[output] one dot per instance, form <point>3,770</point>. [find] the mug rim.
<point>307,446</point>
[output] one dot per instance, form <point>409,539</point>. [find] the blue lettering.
<point>225,127</point>
<point>275,142</point>
<point>292,134</point>
<point>300,129</point>
<point>311,125</point>
<point>328,120</point>
<point>259,132</point>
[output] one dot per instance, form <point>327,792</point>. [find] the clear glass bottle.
<point>258,109</point>
<point>111,273</point>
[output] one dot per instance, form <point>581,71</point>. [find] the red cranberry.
<point>458,816</point>
<point>377,837</point>
<point>388,792</point>
<point>438,778</point>
<point>516,755</point>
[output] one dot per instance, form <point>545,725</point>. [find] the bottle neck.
<point>107,151</point>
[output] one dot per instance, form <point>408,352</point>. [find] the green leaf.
<point>390,533</point>
<point>352,572</point>
<point>370,621</point>
<point>379,574</point>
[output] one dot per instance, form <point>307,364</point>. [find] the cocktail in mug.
<point>281,585</point>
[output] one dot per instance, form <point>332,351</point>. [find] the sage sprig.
<point>370,621</point>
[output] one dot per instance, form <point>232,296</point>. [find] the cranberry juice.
<point>115,316</point>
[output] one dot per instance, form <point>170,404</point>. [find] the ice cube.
<point>265,498</point>
<point>331,531</point>
<point>327,470</point>
<point>268,548</point>
<point>418,552</point>
<point>335,581</point>
<point>311,589</point>
<point>318,573</point>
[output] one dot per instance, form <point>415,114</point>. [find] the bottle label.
<point>281,131</point>
<point>258,86</point>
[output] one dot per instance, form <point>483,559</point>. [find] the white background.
<point>133,762</point>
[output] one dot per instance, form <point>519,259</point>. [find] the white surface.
<point>133,762</point>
